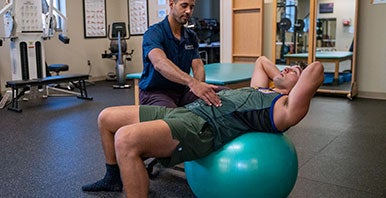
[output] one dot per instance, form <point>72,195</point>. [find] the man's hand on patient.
<point>206,92</point>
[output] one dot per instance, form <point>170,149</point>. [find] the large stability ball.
<point>252,165</point>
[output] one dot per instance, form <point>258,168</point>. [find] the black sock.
<point>110,182</point>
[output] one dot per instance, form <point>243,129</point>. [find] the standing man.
<point>170,52</point>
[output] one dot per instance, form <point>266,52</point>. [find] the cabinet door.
<point>247,30</point>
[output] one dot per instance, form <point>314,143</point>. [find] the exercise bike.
<point>118,51</point>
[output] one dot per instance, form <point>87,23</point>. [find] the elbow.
<point>320,72</point>
<point>261,60</point>
<point>316,67</point>
<point>316,71</point>
<point>158,65</point>
<point>319,66</point>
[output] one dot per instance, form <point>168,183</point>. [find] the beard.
<point>183,19</point>
<point>282,83</point>
<point>278,80</point>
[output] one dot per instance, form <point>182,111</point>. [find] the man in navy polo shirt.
<point>170,52</point>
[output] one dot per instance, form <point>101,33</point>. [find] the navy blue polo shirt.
<point>180,52</point>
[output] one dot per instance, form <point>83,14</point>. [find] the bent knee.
<point>261,59</point>
<point>126,143</point>
<point>105,116</point>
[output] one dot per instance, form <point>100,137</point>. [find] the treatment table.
<point>334,57</point>
<point>232,75</point>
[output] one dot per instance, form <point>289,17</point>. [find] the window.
<point>58,5</point>
<point>290,12</point>
<point>61,6</point>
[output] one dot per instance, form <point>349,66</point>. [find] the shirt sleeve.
<point>153,38</point>
<point>196,46</point>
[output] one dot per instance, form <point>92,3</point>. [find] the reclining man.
<point>175,135</point>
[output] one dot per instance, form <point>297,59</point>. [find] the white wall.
<point>371,59</point>
<point>226,31</point>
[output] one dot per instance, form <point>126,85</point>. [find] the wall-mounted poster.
<point>138,17</point>
<point>94,18</point>
<point>326,8</point>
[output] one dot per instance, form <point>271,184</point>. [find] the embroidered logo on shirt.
<point>189,47</point>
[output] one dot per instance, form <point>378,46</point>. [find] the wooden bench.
<point>20,86</point>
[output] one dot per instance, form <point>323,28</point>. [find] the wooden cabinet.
<point>247,30</point>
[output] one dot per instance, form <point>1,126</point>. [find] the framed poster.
<point>138,17</point>
<point>326,8</point>
<point>94,18</point>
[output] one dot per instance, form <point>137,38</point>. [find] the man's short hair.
<point>302,64</point>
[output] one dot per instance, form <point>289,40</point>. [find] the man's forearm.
<point>269,68</point>
<point>171,72</point>
<point>198,70</point>
<point>168,69</point>
<point>263,72</point>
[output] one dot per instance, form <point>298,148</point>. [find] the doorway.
<point>205,22</point>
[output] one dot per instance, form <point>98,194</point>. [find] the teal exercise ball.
<point>252,165</point>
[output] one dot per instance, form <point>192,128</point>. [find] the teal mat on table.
<point>221,73</point>
<point>322,55</point>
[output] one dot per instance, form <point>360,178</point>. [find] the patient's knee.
<point>126,143</point>
<point>105,116</point>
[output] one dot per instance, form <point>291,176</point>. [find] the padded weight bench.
<point>57,68</point>
<point>62,87</point>
<point>78,80</point>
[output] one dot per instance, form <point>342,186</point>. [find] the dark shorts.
<point>167,98</point>
<point>193,132</point>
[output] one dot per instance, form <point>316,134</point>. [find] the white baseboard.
<point>372,95</point>
<point>97,78</point>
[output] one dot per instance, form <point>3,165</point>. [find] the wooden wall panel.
<point>247,35</point>
<point>246,4</point>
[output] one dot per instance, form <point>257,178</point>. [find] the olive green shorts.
<point>193,132</point>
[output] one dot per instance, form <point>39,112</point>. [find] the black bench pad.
<point>24,84</point>
<point>46,80</point>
